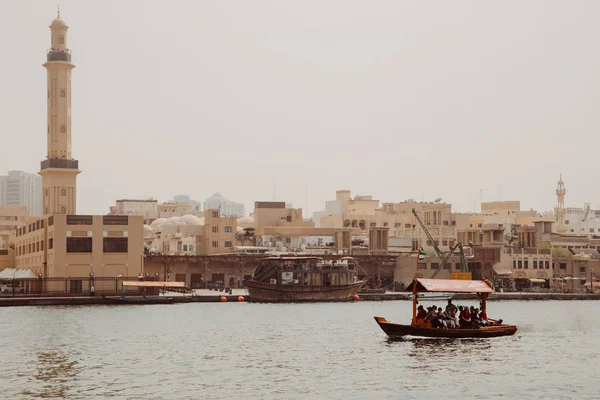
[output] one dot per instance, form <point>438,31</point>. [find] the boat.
<point>304,279</point>
<point>147,298</point>
<point>422,328</point>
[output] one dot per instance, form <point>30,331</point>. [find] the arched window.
<point>63,93</point>
<point>61,40</point>
<point>63,129</point>
<point>63,210</point>
<point>63,192</point>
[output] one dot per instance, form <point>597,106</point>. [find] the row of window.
<point>85,245</point>
<point>215,244</point>
<point>434,266</point>
<point>228,229</point>
<point>524,264</point>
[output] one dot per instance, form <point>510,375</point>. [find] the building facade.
<point>22,188</point>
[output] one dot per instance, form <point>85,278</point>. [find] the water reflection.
<point>56,372</point>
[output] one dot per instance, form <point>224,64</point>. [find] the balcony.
<point>59,163</point>
<point>55,55</point>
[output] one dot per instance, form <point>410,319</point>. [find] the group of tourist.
<point>454,317</point>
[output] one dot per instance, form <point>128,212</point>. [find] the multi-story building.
<point>190,235</point>
<point>22,188</point>
<point>151,210</point>
<point>227,208</point>
<point>185,199</point>
<point>11,217</point>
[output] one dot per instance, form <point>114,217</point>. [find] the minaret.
<point>559,210</point>
<point>59,170</point>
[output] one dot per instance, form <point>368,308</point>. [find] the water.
<point>291,351</point>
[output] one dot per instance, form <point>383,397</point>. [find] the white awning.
<point>503,272</point>
<point>537,280</point>
<point>10,273</point>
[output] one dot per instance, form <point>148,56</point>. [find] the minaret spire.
<point>58,11</point>
<point>59,170</point>
<point>559,210</point>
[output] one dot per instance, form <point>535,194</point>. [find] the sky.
<point>293,100</point>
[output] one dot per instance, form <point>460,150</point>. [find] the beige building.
<point>190,235</point>
<point>151,210</point>
<point>77,245</point>
<point>11,217</point>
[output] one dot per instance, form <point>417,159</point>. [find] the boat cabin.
<point>307,271</point>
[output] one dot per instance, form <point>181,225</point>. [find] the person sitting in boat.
<point>475,317</point>
<point>432,316</point>
<point>421,314</point>
<point>451,307</point>
<point>441,318</point>
<point>465,318</point>
<point>451,319</point>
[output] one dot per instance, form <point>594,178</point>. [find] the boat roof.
<point>153,284</point>
<point>449,286</point>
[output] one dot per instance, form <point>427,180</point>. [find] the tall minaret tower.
<point>559,210</point>
<point>59,170</point>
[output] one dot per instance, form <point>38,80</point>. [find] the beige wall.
<point>11,217</point>
<point>41,246</point>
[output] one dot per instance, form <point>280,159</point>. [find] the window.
<point>421,266</point>
<point>591,230</point>
<point>563,266</point>
<point>63,210</point>
<point>526,264</point>
<point>479,225</point>
<point>215,229</point>
<point>547,265</point>
<point>61,40</point>
<point>444,242</point>
<point>227,244</point>
<point>79,245</point>
<point>115,220</point>
<point>215,244</point>
<point>63,129</point>
<point>457,266</point>
<point>215,214</point>
<point>76,286</point>
<point>185,247</point>
<point>520,264</point>
<point>445,223</point>
<point>63,93</point>
<point>534,264</point>
<point>514,264</point>
<point>50,244</point>
<point>114,244</point>
<point>397,225</point>
<point>567,222</point>
<point>227,229</point>
<point>581,269</point>
<point>63,192</point>
<point>435,266</point>
<point>408,226</point>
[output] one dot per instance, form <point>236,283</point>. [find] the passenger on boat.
<point>421,314</point>
<point>441,317</point>
<point>450,307</point>
<point>432,316</point>
<point>475,321</point>
<point>450,319</point>
<point>465,318</point>
<point>483,318</point>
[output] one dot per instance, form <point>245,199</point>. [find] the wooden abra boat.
<point>304,279</point>
<point>422,328</point>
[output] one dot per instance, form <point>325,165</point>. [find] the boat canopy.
<point>153,284</point>
<point>449,286</point>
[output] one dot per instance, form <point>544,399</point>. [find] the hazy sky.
<point>396,99</point>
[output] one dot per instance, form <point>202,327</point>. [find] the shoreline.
<point>18,301</point>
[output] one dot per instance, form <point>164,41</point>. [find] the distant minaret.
<point>559,210</point>
<point>59,170</point>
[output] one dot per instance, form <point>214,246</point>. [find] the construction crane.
<point>443,258</point>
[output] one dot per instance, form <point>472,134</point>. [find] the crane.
<point>443,258</point>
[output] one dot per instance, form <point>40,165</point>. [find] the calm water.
<point>291,351</point>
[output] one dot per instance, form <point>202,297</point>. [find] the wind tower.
<point>59,170</point>
<point>559,210</point>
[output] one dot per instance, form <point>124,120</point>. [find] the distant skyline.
<point>392,99</point>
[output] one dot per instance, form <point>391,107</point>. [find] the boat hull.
<point>398,330</point>
<point>140,300</point>
<point>273,293</point>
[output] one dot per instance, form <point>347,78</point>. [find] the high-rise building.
<point>227,208</point>
<point>20,188</point>
<point>59,170</point>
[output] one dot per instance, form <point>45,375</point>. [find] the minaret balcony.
<point>59,55</point>
<point>60,163</point>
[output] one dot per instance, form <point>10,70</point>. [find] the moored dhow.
<point>304,279</point>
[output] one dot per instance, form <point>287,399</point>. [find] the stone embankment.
<point>216,298</point>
